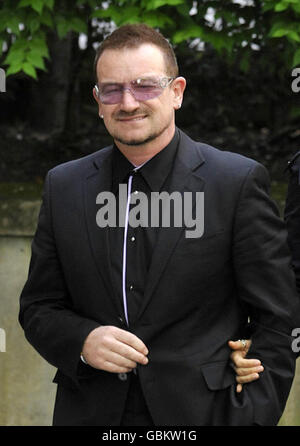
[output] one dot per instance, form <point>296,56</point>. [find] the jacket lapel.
<point>99,180</point>
<point>185,178</point>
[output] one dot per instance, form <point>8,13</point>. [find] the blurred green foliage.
<point>278,193</point>
<point>234,28</point>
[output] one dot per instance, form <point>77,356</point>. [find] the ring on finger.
<point>244,343</point>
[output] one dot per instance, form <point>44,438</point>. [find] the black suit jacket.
<point>199,294</point>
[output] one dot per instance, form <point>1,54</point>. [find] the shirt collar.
<point>154,171</point>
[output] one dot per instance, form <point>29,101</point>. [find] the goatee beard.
<point>136,142</point>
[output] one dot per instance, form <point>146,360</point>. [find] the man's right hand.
<point>247,370</point>
<point>114,350</point>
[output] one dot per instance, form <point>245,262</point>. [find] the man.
<point>136,317</point>
<point>248,370</point>
<point>292,214</point>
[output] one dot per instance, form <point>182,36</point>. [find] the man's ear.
<point>178,86</point>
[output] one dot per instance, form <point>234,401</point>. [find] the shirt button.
<point>131,287</point>
<point>132,239</point>
<point>122,376</point>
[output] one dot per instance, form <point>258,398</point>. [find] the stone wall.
<point>26,389</point>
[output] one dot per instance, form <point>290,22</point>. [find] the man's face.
<point>133,122</point>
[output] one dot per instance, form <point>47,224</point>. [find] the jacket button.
<point>122,376</point>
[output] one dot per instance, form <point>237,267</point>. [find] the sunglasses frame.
<point>163,81</point>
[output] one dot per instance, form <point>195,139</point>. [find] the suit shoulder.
<point>81,165</point>
<point>225,160</point>
<point>225,164</point>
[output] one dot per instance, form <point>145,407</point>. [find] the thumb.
<point>236,345</point>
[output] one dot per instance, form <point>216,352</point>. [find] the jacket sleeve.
<point>46,314</point>
<point>266,285</point>
<point>292,215</point>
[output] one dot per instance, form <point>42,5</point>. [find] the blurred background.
<point>240,60</point>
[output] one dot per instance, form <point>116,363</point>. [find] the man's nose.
<point>129,103</point>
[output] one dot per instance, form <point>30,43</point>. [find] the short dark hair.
<point>132,36</point>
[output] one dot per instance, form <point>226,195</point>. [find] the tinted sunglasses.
<point>142,89</point>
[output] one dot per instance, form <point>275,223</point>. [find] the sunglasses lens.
<point>141,89</point>
<point>111,94</point>
<point>144,93</point>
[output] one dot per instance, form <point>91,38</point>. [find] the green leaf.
<point>78,25</point>
<point>37,5</point>
<point>34,25</point>
<point>280,26</point>
<point>29,69</point>
<point>281,6</point>
<point>24,3</point>
<point>19,44</point>
<point>46,19</point>
<point>62,29</point>
<point>184,10</point>
<point>293,35</point>
<point>13,24</point>
<point>220,41</point>
<point>38,45</point>
<point>112,13</point>
<point>296,8</point>
<point>157,19</point>
<point>155,4</point>
<point>267,6</point>
<point>14,57</point>
<point>130,17</point>
<point>36,60</point>
<point>14,68</point>
<point>16,52</point>
<point>189,32</point>
<point>279,33</point>
<point>3,20</point>
<point>49,4</point>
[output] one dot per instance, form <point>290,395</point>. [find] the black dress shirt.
<point>152,176</point>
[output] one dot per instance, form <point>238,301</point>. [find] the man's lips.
<point>131,118</point>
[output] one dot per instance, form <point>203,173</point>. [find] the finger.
<point>114,368</point>
<point>119,360</point>
<point>241,362</point>
<point>244,372</point>
<point>133,341</point>
<point>237,357</point>
<point>247,379</point>
<point>239,345</point>
<point>239,388</point>
<point>130,353</point>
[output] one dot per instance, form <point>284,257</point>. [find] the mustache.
<point>122,114</point>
